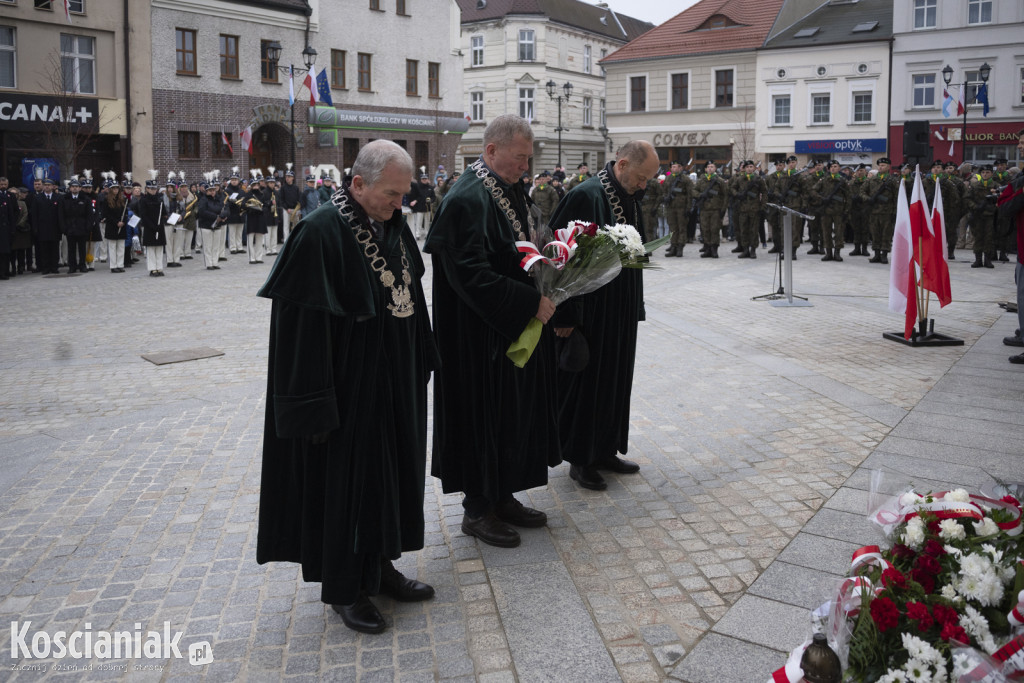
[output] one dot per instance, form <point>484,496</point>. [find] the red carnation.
<point>946,615</point>
<point>590,229</point>
<point>928,564</point>
<point>918,611</point>
<point>893,578</point>
<point>953,632</point>
<point>900,550</point>
<point>926,579</point>
<point>933,548</point>
<point>884,613</point>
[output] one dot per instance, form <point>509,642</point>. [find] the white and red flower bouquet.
<point>944,603</point>
<point>575,260</point>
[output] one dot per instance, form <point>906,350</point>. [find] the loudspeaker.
<point>916,146</point>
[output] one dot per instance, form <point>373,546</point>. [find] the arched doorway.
<point>271,146</point>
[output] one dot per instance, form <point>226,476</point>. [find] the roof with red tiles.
<point>710,26</point>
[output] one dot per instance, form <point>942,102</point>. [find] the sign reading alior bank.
<point>36,112</point>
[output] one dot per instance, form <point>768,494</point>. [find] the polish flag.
<point>961,104</point>
<point>902,273</point>
<point>227,143</point>
<point>246,138</point>
<point>310,83</point>
<point>934,268</point>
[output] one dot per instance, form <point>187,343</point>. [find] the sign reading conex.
<point>329,117</point>
<point>32,112</point>
<point>853,145</point>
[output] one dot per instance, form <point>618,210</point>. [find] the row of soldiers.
<point>845,203</point>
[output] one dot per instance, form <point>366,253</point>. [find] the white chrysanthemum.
<point>920,650</point>
<point>898,676</point>
<point>986,527</point>
<point>949,592</point>
<point>975,565</point>
<point>918,672</point>
<point>956,552</point>
<point>972,621</point>
<point>958,495</point>
<point>962,665</point>
<point>910,499</point>
<point>951,530</point>
<point>913,534</point>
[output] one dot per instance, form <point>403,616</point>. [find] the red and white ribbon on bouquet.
<point>1012,656</point>
<point>560,252</point>
<point>952,509</point>
<point>792,672</point>
<point>867,556</point>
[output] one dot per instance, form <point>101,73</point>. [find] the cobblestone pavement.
<point>129,491</point>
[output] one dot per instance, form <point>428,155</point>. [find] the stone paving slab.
<point>129,490</point>
<point>181,356</point>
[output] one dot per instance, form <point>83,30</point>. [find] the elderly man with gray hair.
<point>494,423</point>
<point>351,351</point>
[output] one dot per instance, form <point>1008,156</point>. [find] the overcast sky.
<point>654,11</point>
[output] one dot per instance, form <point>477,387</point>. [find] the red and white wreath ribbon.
<point>1011,655</point>
<point>951,509</point>
<point>559,253</point>
<point>867,556</point>
<point>792,672</point>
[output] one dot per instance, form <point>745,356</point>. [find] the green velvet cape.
<point>340,364</point>
<point>593,415</point>
<point>494,423</point>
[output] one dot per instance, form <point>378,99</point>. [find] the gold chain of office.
<point>401,297</point>
<point>503,202</point>
<point>613,198</point>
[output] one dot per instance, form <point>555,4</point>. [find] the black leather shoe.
<point>511,511</point>
<point>617,464</point>
<point>587,477</point>
<point>1013,341</point>
<point>398,587</point>
<point>1018,359</point>
<point>362,615</point>
<point>491,530</point>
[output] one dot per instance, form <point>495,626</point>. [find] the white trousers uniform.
<point>418,223</point>
<point>154,258</point>
<point>213,246</point>
<point>115,253</point>
<point>255,247</point>
<point>175,237</point>
<point>99,250</point>
<point>235,236</point>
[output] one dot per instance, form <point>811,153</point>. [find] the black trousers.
<point>76,253</point>
<point>47,255</point>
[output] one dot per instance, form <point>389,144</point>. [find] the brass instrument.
<point>253,204</point>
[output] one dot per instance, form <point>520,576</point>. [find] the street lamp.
<point>947,77</point>
<point>552,88</point>
<point>308,58</point>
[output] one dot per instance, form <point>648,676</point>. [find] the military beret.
<point>791,157</point>
<point>580,165</point>
<point>885,160</point>
<point>1001,161</point>
<point>986,167</point>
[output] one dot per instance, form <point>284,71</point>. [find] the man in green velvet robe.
<point>494,423</point>
<point>593,415</point>
<point>351,351</point>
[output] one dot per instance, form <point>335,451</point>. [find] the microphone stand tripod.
<point>784,296</point>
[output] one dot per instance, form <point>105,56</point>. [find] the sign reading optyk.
<point>850,145</point>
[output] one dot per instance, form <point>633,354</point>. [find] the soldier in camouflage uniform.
<point>965,173</point>
<point>749,191</point>
<point>581,174</point>
<point>814,227</point>
<point>772,181</point>
<point>545,197</point>
<point>712,198</point>
<point>954,207</point>
<point>649,207</point>
<point>677,196</point>
<point>833,195</point>
<point>857,218</point>
<point>981,203</point>
<point>879,193</point>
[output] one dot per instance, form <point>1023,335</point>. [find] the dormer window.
<point>716,21</point>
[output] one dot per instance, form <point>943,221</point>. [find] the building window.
<point>587,112</point>
<point>228,56</point>
<point>924,13</point>
<point>526,103</point>
<point>268,69</point>
<point>638,93</point>
<point>979,11</point>
<point>526,45</point>
<point>8,54</point>
<point>604,121</point>
<point>375,5</point>
<point>781,110</point>
<point>821,108</point>
<point>604,53</point>
<point>1021,89</point>
<point>76,6</point>
<point>723,87</point>
<point>365,72</point>
<point>400,8</point>
<point>185,50</point>
<point>412,78</point>
<point>220,150</point>
<point>338,69</point>
<point>476,50</point>
<point>924,90</point>
<point>78,64</point>
<point>586,59</point>
<point>476,106</point>
<point>680,91</point>
<point>863,109</point>
<point>188,145</point>
<point>433,79</point>
<point>974,82</point>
